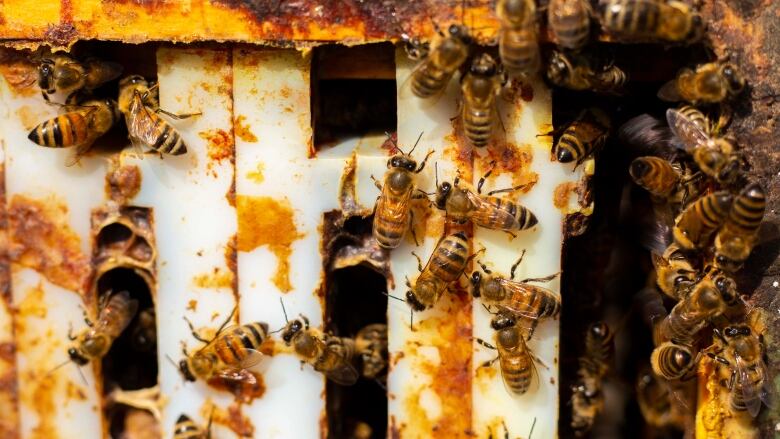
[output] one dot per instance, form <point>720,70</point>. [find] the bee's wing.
<point>669,92</point>
<point>748,389</point>
<point>79,152</point>
<point>114,321</point>
<point>687,132</point>
<point>405,91</point>
<point>517,292</point>
<point>342,373</point>
<point>141,125</point>
<point>485,213</point>
<point>766,393</point>
<point>253,358</point>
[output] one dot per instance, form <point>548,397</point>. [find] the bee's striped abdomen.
<point>65,130</point>
<point>519,50</point>
<point>187,429</point>
<point>478,124</point>
<point>748,209</point>
<point>449,258</point>
<point>517,371</point>
<point>238,342</point>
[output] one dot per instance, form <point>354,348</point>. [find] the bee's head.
<point>46,75</point>
<point>734,79</point>
<point>460,32</point>
<point>484,65</point>
<point>476,279</point>
<point>184,368</point>
<point>402,161</point>
<point>292,329</point>
<point>77,357</point>
<point>414,302</point>
<point>442,194</point>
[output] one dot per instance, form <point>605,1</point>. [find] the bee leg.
<point>71,337</point>
<point>487,345</point>
<point>484,177</point>
<point>194,332</point>
<point>541,279</point>
<point>422,165</point>
<point>506,430</point>
<point>511,189</point>
<point>411,229</point>
<point>515,265</point>
<point>533,424</point>
<point>376,183</point>
<point>539,360</point>
<point>178,116</point>
<point>419,262</point>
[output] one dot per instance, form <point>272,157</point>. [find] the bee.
<point>675,273</point>
<point>144,335</point>
<point>146,128</point>
<point>186,428</point>
<point>61,73</point>
<point>526,302</point>
<point>656,175</point>
<point>330,355</point>
<point>708,299</point>
<point>673,361</point>
<point>515,358</point>
<point>651,20</point>
<point>446,264</point>
<point>708,83</point>
<point>462,204</point>
<point>480,87</point>
<point>447,54</point>
<point>518,45</point>
<point>587,398</point>
<point>569,21</point>
<point>228,354</point>
<point>694,226</point>
<point>715,156</point>
<point>586,134</point>
<point>78,128</point>
<point>741,350</point>
<point>579,72</point>
<point>392,213</point>
<point>371,345</point>
<point>738,235</point>
<point>94,342</point>
<point>654,398</point>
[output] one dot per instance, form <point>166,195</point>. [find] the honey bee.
<point>569,21</point>
<point>228,354</point>
<point>78,128</point>
<point>654,398</point>
<point>463,204</point>
<point>700,219</point>
<point>480,87</point>
<point>186,428</point>
<point>673,361</point>
<point>586,134</point>
<point>738,235</point>
<point>580,72</point>
<point>715,156</point>
<point>144,335</point>
<point>329,355</point>
<point>515,359</point>
<point>708,299</point>
<point>518,44</point>
<point>675,273</point>
<point>446,55</point>
<point>392,214</point>
<point>61,73</point>
<point>651,20</point>
<point>708,83</point>
<point>371,345</point>
<point>656,175</point>
<point>446,264</point>
<point>144,125</point>
<point>116,312</point>
<point>741,350</point>
<point>587,398</point>
<point>526,302</point>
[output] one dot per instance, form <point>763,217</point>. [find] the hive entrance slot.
<point>353,92</point>
<point>355,297</point>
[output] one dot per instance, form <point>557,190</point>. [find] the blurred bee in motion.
<point>569,21</point>
<point>695,225</point>
<point>144,336</point>
<point>740,349</point>
<point>518,45</point>
<point>78,128</point>
<point>528,303</point>
<point>439,64</point>
<point>708,83</point>
<point>332,356</point>
<point>654,398</point>
<point>445,266</point>
<point>371,345</point>
<point>651,20</point>
<point>116,312</point>
<point>480,87</point>
<point>736,238</point>
<point>60,73</point>
<point>462,204</point>
<point>515,359</point>
<point>186,428</point>
<point>715,156</point>
<point>228,354</point>
<point>673,361</point>
<point>580,72</point>
<point>392,213</point>
<point>145,127</point>
<point>656,175</point>
<point>586,134</point>
<point>587,399</point>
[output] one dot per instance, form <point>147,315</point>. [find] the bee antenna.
<point>436,173</point>
<point>411,319</point>
<point>532,428</point>
<point>284,310</point>
<point>393,297</point>
<point>415,143</point>
<point>81,374</point>
<point>57,367</point>
<point>395,145</point>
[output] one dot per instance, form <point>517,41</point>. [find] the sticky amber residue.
<point>220,144</point>
<point>192,305</point>
<point>123,183</point>
<point>75,392</point>
<point>257,174</point>
<point>19,74</point>
<point>33,304</point>
<point>562,193</point>
<point>42,239</point>
<point>38,393</point>
<point>243,131</point>
<point>485,375</point>
<point>251,386</point>
<point>217,278</point>
<point>265,221</point>
<point>451,376</point>
<point>526,92</point>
